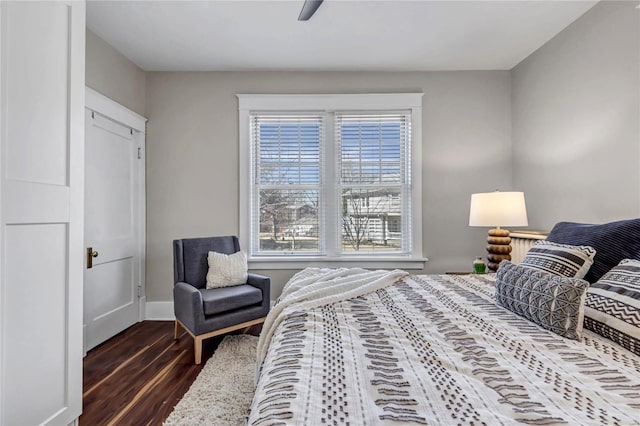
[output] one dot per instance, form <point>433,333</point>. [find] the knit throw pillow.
<point>226,270</point>
<point>551,301</point>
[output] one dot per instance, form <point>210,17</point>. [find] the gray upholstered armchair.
<point>206,312</point>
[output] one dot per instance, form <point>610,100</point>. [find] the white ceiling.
<point>342,35</point>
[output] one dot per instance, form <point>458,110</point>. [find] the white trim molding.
<point>159,311</point>
<point>96,101</point>
<point>329,102</point>
<point>301,262</point>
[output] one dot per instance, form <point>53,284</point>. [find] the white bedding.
<point>404,349</point>
<point>313,287</point>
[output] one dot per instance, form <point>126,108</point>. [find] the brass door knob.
<point>90,255</point>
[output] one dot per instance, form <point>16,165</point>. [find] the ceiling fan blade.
<point>308,9</point>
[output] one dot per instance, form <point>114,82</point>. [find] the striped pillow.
<point>612,307</point>
<point>560,259</point>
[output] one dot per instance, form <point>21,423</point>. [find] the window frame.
<point>328,104</point>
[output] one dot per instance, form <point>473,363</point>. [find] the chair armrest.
<point>264,284</point>
<point>187,305</point>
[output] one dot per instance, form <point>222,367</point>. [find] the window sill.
<point>367,262</point>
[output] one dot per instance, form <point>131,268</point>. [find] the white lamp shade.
<point>498,209</point>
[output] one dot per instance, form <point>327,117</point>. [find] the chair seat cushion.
<point>224,299</point>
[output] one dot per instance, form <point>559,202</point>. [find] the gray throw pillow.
<point>551,301</point>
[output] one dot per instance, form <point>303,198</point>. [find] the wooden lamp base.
<point>498,247</point>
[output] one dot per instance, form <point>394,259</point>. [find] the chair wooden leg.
<point>176,330</point>
<point>197,348</point>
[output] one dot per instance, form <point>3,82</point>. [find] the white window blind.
<point>287,183</point>
<point>374,182</point>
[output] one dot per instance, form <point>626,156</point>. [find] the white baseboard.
<point>159,311</point>
<point>142,304</point>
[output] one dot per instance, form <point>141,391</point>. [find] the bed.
<point>358,347</point>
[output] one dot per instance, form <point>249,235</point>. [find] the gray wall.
<point>572,109</point>
<point>576,115</point>
<point>192,155</point>
<point>112,74</point>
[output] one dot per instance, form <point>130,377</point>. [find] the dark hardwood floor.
<point>138,376</point>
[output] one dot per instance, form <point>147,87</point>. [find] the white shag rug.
<point>222,392</point>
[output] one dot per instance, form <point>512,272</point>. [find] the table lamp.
<point>498,209</point>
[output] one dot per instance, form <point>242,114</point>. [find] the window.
<point>373,157</point>
<point>330,178</point>
<point>287,177</point>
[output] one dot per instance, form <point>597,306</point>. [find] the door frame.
<point>110,109</point>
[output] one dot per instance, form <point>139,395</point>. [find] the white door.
<point>112,228</point>
<point>41,190</point>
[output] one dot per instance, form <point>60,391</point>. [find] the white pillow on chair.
<point>226,270</point>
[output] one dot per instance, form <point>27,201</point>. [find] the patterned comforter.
<point>437,350</point>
